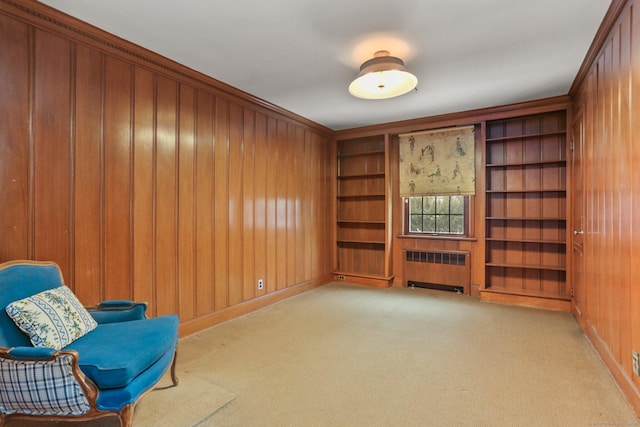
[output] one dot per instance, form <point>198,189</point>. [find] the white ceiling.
<point>302,54</point>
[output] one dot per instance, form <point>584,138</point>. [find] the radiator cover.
<point>446,270</point>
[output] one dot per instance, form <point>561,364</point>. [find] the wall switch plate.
<point>636,362</point>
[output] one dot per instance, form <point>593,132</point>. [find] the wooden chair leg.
<point>125,415</point>
<point>174,379</point>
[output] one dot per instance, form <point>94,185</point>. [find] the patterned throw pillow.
<point>52,319</point>
<point>41,387</point>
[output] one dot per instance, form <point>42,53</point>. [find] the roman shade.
<point>438,162</point>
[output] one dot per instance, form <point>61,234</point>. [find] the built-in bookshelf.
<point>362,243</point>
<point>526,209</point>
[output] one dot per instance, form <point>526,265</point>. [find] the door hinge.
<point>571,145</point>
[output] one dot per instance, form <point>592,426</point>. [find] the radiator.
<point>446,270</point>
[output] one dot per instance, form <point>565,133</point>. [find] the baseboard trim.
<point>620,376</point>
<point>196,325</point>
<point>525,300</point>
<point>363,279</point>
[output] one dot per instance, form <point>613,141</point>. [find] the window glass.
<point>437,214</point>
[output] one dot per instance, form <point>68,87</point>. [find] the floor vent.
<point>457,289</point>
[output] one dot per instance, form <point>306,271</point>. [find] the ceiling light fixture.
<point>382,77</point>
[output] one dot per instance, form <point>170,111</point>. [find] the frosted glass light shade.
<point>382,77</point>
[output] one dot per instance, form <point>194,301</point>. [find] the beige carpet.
<point>348,355</point>
<point>195,397</point>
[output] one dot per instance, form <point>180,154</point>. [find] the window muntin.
<point>437,215</point>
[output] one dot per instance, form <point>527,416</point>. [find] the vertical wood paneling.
<point>300,197</point>
<point>634,182</point>
<point>608,190</point>
<point>186,204</point>
<point>204,204</point>
<point>261,251</point>
<point>329,202</point>
<point>166,196</point>
<point>15,188</point>
<point>88,180</point>
<point>143,188</point>
<point>221,203</point>
<point>281,205</point>
<point>610,284</point>
<point>309,194</point>
<point>117,178</point>
<point>291,198</point>
<point>589,196</point>
<point>575,198</point>
<point>598,232</point>
<point>236,215</point>
<point>271,164</point>
<point>142,184</point>
<point>52,149</point>
<point>625,168</point>
<point>249,196</point>
<point>615,275</point>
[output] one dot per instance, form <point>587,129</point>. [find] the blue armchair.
<point>59,361</point>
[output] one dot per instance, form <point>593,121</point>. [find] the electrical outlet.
<point>341,277</point>
<point>636,362</point>
<point>260,284</point>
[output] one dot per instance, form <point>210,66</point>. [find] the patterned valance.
<point>438,162</point>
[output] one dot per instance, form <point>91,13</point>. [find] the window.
<point>437,215</point>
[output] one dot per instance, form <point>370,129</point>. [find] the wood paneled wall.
<point>144,180</point>
<point>607,122</point>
